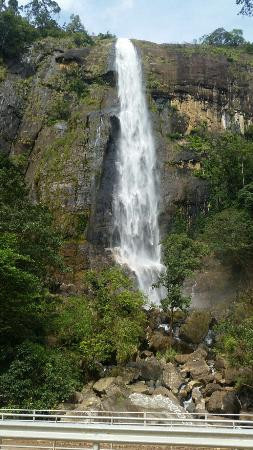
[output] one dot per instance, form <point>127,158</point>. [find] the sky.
<point>158,20</point>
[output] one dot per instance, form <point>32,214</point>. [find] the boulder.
<point>76,397</point>
<point>193,384</point>
<point>73,56</point>
<point>196,327</point>
<point>196,365</point>
<point>150,368</point>
<point>140,388</point>
<point>162,391</point>
<point>172,378</point>
<point>223,402</point>
<point>197,395</point>
<point>231,375</point>
<point>128,375</point>
<point>211,388</point>
<point>158,341</point>
<point>168,404</point>
<point>90,401</point>
<point>146,354</point>
<point>200,406</point>
<point>220,363</point>
<point>181,359</point>
<point>102,385</point>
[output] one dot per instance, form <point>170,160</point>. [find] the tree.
<point>221,37</point>
<point>2,6</point>
<point>29,256</point>
<point>235,337</point>
<point>75,25</point>
<point>229,234</point>
<point>182,255</point>
<point>245,197</point>
<point>227,166</point>
<point>106,324</point>
<point>15,34</point>
<point>247,7</point>
<point>106,35</point>
<point>78,31</point>
<point>13,6</point>
<point>39,377</point>
<point>40,12</point>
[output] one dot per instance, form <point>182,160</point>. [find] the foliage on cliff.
<point>235,338</point>
<point>28,256</point>
<point>226,226</point>
<point>182,255</point>
<point>20,26</point>
<point>220,36</point>
<point>105,324</point>
<point>227,164</point>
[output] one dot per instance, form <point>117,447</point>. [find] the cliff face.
<point>58,115</point>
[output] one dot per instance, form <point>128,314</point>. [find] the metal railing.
<point>160,428</point>
<point>130,418</point>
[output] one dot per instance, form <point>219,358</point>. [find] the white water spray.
<point>135,197</point>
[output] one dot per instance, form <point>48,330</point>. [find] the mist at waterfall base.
<point>135,205</point>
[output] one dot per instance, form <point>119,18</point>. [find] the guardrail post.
<point>34,412</point>
<point>145,418</point>
<point>96,446</point>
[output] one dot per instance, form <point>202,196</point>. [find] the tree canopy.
<point>221,37</point>
<point>247,7</point>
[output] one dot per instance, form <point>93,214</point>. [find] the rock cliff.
<point>59,118</point>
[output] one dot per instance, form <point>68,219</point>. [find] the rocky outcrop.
<point>59,115</point>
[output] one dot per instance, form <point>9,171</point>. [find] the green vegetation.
<point>169,355</point>
<point>18,31</point>
<point>235,338</point>
<point>43,336</point>
<point>182,255</point>
<point>221,37</point>
<point>119,317</point>
<point>28,257</point>
<point>15,34</point>
<point>227,164</point>
<point>226,227</point>
<point>39,377</point>
<point>106,325</point>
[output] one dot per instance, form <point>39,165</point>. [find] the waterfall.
<point>135,207</point>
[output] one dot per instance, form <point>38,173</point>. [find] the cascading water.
<point>136,230</point>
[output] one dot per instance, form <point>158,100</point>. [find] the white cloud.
<point>118,8</point>
<point>70,5</point>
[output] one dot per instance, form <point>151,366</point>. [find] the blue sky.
<point>158,20</point>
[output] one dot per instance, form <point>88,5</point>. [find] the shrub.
<point>108,323</point>
<point>39,377</point>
